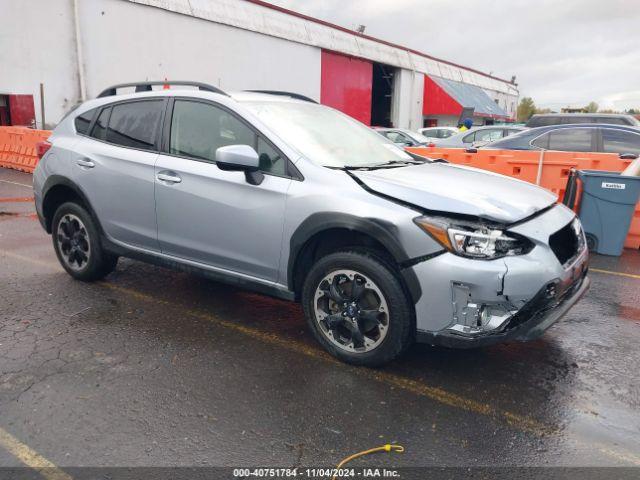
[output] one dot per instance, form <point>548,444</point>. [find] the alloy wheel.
<point>351,311</point>
<point>73,242</point>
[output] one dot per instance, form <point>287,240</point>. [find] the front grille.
<point>565,243</point>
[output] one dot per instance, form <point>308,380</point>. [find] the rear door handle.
<point>85,162</point>
<point>168,177</point>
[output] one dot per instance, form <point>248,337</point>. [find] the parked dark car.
<point>548,119</point>
<point>596,137</point>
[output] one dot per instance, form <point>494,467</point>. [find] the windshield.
<point>326,136</point>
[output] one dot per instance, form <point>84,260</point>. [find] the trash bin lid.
<point>610,186</point>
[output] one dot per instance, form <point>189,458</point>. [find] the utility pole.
<point>42,119</point>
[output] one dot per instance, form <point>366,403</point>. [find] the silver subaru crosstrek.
<point>272,192</point>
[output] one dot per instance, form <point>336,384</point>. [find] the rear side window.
<point>469,138</point>
<point>612,120</point>
<point>541,142</point>
<point>100,128</point>
<point>83,122</point>
<point>543,121</point>
<point>135,124</point>
<point>490,135</point>
<point>619,141</point>
<point>571,140</point>
<point>577,119</point>
<point>396,137</point>
<point>445,133</point>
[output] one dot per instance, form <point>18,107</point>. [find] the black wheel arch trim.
<point>60,180</point>
<point>380,231</point>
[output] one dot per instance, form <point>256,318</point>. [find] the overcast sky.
<point>563,52</point>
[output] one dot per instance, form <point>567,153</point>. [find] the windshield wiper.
<point>390,164</point>
<point>397,163</point>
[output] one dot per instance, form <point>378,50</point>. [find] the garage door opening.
<point>5,117</point>
<point>381,93</point>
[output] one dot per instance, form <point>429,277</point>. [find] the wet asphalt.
<point>152,367</point>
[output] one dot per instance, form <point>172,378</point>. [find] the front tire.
<point>357,308</point>
<point>76,241</point>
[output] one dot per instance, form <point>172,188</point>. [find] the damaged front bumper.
<point>526,324</point>
<point>470,303</point>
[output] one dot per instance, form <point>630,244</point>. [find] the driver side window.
<point>199,129</point>
<point>271,161</point>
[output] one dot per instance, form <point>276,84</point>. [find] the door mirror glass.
<point>237,157</point>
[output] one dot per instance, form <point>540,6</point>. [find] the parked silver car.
<point>278,194</point>
<point>437,133</point>
<point>403,137</point>
<point>478,136</point>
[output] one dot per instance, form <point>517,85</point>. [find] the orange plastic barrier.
<point>548,169</point>
<point>18,147</point>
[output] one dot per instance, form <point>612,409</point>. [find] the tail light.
<point>431,144</point>
<point>42,148</point>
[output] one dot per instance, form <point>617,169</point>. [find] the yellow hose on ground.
<point>385,448</point>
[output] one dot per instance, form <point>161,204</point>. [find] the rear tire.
<point>76,241</point>
<point>367,318</point>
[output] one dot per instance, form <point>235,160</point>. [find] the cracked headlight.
<point>474,240</point>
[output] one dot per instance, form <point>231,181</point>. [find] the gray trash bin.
<point>606,208</point>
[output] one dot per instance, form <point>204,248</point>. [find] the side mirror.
<point>628,156</point>
<point>240,158</point>
<point>237,158</point>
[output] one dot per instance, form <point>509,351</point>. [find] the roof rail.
<point>146,87</point>
<point>297,96</point>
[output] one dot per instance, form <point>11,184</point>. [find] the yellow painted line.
<point>16,183</point>
<point>610,272</point>
<point>438,394</point>
<point>34,261</point>
<point>625,457</point>
<point>31,458</point>
<point>419,388</point>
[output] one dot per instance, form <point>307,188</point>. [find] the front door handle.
<point>169,177</point>
<point>85,162</point>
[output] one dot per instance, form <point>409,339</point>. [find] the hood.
<point>445,187</point>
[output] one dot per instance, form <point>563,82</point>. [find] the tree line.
<point>527,108</point>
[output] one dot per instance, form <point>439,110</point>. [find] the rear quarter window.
<point>100,127</point>
<point>620,141</point>
<point>83,121</point>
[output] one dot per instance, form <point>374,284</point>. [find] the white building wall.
<point>508,102</point>
<point>229,43</point>
<point>37,45</point>
<point>123,42</point>
<point>279,24</point>
<point>126,42</point>
<point>444,120</point>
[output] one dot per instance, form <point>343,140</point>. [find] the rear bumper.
<point>529,323</point>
